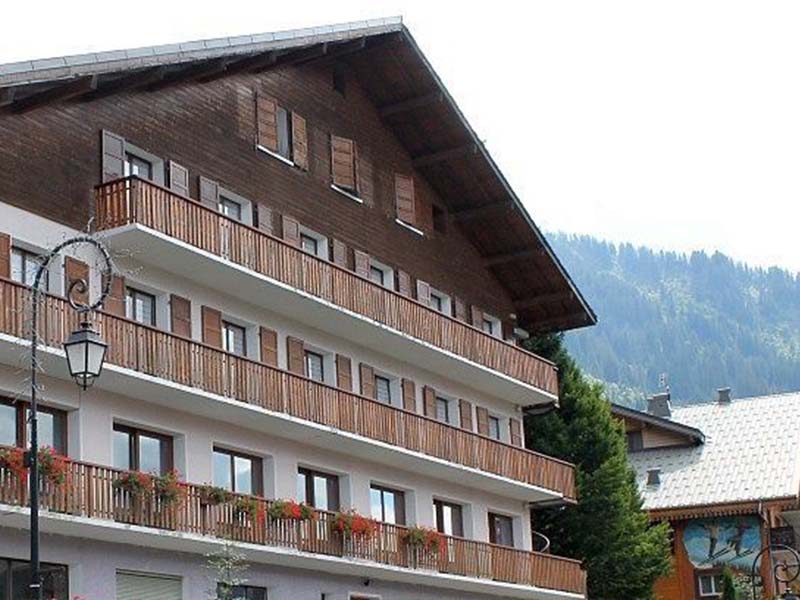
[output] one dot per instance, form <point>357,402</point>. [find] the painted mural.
<point>733,541</point>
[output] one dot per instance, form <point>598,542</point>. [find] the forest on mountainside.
<point>706,321</point>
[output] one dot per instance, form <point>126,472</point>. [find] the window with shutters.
<point>381,274</point>
<point>315,365</point>
<point>387,505</point>
<point>140,306</point>
<point>440,302</point>
<point>140,450</point>
<point>230,208</point>
<point>320,490</point>
<point>442,409</point>
<point>383,389</point>
<point>15,425</point>
<point>234,338</point>
<point>405,202</point>
<point>241,592</point>
<point>24,265</point>
<point>492,326</point>
<point>501,530</point>
<point>15,579</point>
<point>281,133</point>
<point>237,472</point>
<point>494,427</point>
<point>313,242</point>
<point>344,170</point>
<point>284,133</point>
<point>135,165</point>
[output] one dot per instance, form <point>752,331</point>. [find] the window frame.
<point>495,326</point>
<point>27,256</point>
<point>332,484</point>
<point>256,469</point>
<point>497,421</point>
<point>444,301</point>
<point>447,403</point>
<point>321,250</point>
<point>21,436</point>
<point>493,518</point>
<point>438,514</point>
<point>167,450</point>
<point>715,576</point>
<point>228,325</point>
<point>226,201</point>
<point>399,501</point>
<point>156,163</point>
<point>130,293</point>
<point>389,395</point>
<point>245,587</point>
<point>45,567</point>
<point>307,354</point>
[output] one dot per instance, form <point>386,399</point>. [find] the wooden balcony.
<point>135,201</point>
<point>89,491</point>
<point>189,363</point>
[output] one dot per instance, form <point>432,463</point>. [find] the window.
<point>241,592</point>
<point>315,366</point>
<point>140,306</point>
<point>230,208</point>
<point>343,166</point>
<point>448,518</point>
<point>313,243</point>
<point>494,427</point>
<point>635,441</point>
<point>710,584</point>
<point>442,410</point>
<point>440,302</point>
<point>320,490</point>
<point>136,165</point>
<point>139,450</point>
<point>284,119</point>
<point>383,389</point>
<point>24,265</point>
<point>387,505</point>
<point>501,530</point>
<point>15,430</point>
<point>381,274</point>
<point>237,472</point>
<point>376,275</point>
<point>309,244</point>
<point>15,577</point>
<point>234,339</point>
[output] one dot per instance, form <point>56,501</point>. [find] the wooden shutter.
<point>212,327</point>
<point>339,253</point>
<point>343,162</point>
<point>460,309</point>
<point>477,317</point>
<point>409,395</point>
<point>267,122</point>
<point>5,255</point>
<point>423,292</point>
<point>515,429</point>
<point>113,156</point>
<point>291,230</point>
<point>361,263</point>
<point>344,373</point>
<point>178,179</point>
<point>264,215</point>
<point>482,417</point>
<point>299,142</point>
<point>465,410</point>
<point>75,270</point>
<point>429,401</point>
<point>367,374</point>
<point>209,193</point>
<point>296,355</point>
<point>269,346</point>
<point>404,198</point>
<point>115,302</point>
<point>404,283</point>
<point>180,316</point>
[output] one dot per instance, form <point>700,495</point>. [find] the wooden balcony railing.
<point>193,364</point>
<point>133,200</point>
<point>89,491</point>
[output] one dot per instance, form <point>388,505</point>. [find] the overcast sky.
<point>670,124</point>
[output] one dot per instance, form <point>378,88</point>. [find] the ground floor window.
<point>141,586</point>
<point>709,584</point>
<point>241,592</point>
<point>15,577</point>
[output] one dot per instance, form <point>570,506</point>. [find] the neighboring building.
<point>323,279</point>
<point>725,474</point>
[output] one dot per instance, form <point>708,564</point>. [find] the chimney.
<point>724,395</point>
<point>659,405</point>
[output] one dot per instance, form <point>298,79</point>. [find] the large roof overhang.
<point>413,103</point>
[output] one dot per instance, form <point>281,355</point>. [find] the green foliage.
<point>706,321</point>
<point>608,530</point>
<point>728,586</point>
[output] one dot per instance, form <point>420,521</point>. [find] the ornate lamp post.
<point>783,571</point>
<point>85,352</point>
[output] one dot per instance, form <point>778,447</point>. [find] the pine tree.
<point>622,552</point>
<point>728,585</point>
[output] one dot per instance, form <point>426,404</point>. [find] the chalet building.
<point>322,281</point>
<point>726,476</point>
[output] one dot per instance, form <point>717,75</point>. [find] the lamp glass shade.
<point>86,353</point>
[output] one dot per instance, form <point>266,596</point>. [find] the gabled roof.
<point>413,103</point>
<point>692,433</point>
<point>751,454</point>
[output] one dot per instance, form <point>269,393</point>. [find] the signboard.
<point>715,542</point>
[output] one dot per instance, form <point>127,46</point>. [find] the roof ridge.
<point>705,403</point>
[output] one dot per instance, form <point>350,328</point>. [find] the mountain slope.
<point>705,321</point>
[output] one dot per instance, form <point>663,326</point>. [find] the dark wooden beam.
<point>192,72</point>
<point>254,63</point>
<point>540,299</point>
<point>442,155</point>
<point>58,92</point>
<point>410,104</point>
<point>576,319</point>
<point>465,214</point>
<point>135,80</point>
<point>336,51</point>
<point>507,257</point>
<point>303,54</point>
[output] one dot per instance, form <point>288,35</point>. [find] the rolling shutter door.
<point>132,586</point>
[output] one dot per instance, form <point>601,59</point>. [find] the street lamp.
<point>85,352</point>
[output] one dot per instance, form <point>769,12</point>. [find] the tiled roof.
<point>751,452</point>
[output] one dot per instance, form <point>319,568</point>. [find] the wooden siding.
<point>132,200</point>
<point>88,491</point>
<point>200,366</point>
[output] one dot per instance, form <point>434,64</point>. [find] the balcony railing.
<point>132,200</point>
<point>89,491</point>
<point>180,360</point>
